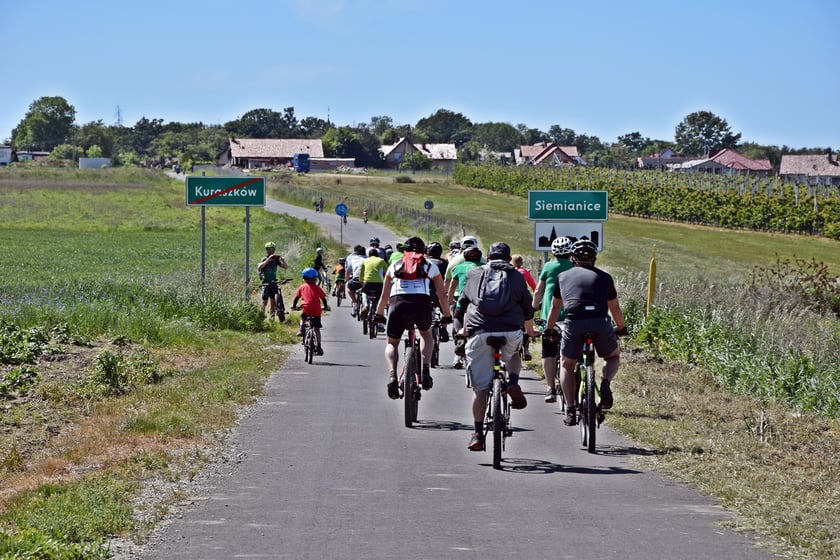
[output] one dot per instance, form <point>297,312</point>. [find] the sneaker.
<point>393,387</point>
<point>319,351</point>
<point>606,395</point>
<point>458,363</point>
<point>352,312</point>
<point>551,395</point>
<point>517,399</point>
<point>444,336</point>
<point>380,327</point>
<point>426,378</point>
<point>476,442</point>
<point>571,416</point>
<point>527,356</point>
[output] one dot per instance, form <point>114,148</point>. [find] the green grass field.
<point>112,257</point>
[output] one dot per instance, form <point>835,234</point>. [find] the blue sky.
<point>769,68</point>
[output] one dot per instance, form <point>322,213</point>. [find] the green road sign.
<point>573,206</point>
<point>225,191</point>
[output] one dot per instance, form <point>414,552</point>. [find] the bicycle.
<point>590,415</point>
<point>370,318</point>
<point>339,291</point>
<point>409,378</point>
<point>310,345</point>
<point>276,308</point>
<point>497,416</point>
<point>437,328</point>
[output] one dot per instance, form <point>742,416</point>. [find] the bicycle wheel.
<point>339,295</point>
<point>589,411</point>
<point>307,348</point>
<point>410,388</point>
<point>498,422</point>
<point>371,321</point>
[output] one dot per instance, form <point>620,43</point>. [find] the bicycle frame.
<point>309,342</point>
<point>590,415</point>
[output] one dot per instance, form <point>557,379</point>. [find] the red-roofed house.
<point>548,153</point>
<point>256,153</point>
<point>726,162</point>
<point>821,169</point>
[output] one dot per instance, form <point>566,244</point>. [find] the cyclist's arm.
<point>536,301</point>
<point>617,315</point>
<point>386,293</point>
<point>556,306</point>
<point>442,299</point>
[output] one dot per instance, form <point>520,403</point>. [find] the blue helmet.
<point>309,274</point>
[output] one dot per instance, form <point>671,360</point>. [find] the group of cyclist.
<point>570,291</point>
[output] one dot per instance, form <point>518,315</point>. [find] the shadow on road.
<point>537,466</point>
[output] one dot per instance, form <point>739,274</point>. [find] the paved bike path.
<point>328,471</point>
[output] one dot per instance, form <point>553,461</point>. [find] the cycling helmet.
<point>319,250</point>
<point>359,250</point>
<point>469,241</point>
<point>434,249</point>
<point>472,254</point>
<point>561,246</point>
<point>585,248</point>
<point>309,274</point>
<point>342,260</point>
<point>454,244</point>
<point>414,245</point>
<point>270,245</point>
<point>374,242</point>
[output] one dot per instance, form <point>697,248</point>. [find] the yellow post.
<point>651,282</point>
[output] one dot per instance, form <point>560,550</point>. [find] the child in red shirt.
<point>308,294</point>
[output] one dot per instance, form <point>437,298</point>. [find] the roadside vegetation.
<point>119,370</point>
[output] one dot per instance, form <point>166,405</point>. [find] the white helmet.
<point>469,241</point>
<point>561,246</point>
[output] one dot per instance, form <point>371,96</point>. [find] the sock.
<point>513,378</point>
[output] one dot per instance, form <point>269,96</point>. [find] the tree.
<point>531,136</point>
<point>561,136</point>
<point>48,123</point>
<point>703,132</point>
<point>634,142</point>
<point>442,126</point>
<point>415,161</point>
<point>497,137</point>
<point>95,133</point>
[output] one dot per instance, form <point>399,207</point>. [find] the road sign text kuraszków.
<point>574,206</point>
<point>225,191</point>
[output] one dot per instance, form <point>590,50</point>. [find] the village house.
<point>661,161</point>
<point>726,162</point>
<point>258,153</point>
<point>442,156</point>
<point>821,169</point>
<point>548,154</point>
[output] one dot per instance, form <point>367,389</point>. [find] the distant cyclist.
<point>589,297</point>
<point>269,278</point>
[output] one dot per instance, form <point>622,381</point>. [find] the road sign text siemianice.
<point>225,191</point>
<point>574,206</point>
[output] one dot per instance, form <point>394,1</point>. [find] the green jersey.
<point>548,276</point>
<point>373,270</point>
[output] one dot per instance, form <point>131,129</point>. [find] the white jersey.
<point>401,287</point>
<point>353,266</point>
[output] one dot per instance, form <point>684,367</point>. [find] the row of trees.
<point>50,125</point>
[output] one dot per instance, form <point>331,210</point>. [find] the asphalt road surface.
<point>328,471</point>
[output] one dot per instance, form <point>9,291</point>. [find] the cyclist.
<point>561,249</point>
<point>433,253</point>
<point>409,300</point>
<point>396,254</point>
<point>454,249</point>
<point>365,215</point>
<point>472,258</point>
<point>466,242</point>
<point>508,321</point>
<point>311,297</point>
<point>318,263</point>
<point>339,272</point>
<point>518,263</point>
<point>374,242</point>
<point>588,295</point>
<point>353,265</point>
<point>371,274</point>
<point>268,276</point>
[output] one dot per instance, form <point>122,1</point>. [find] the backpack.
<point>494,292</point>
<point>412,266</point>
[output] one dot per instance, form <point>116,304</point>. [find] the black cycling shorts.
<point>407,308</point>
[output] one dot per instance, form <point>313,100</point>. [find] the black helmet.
<point>434,249</point>
<point>472,254</point>
<point>585,248</point>
<point>414,245</point>
<point>359,250</point>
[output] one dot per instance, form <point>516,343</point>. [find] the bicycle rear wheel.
<point>498,422</point>
<point>589,411</point>
<point>410,388</point>
<point>307,347</point>
<point>435,362</point>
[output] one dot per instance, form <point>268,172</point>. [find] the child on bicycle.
<point>308,294</point>
<point>339,272</point>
